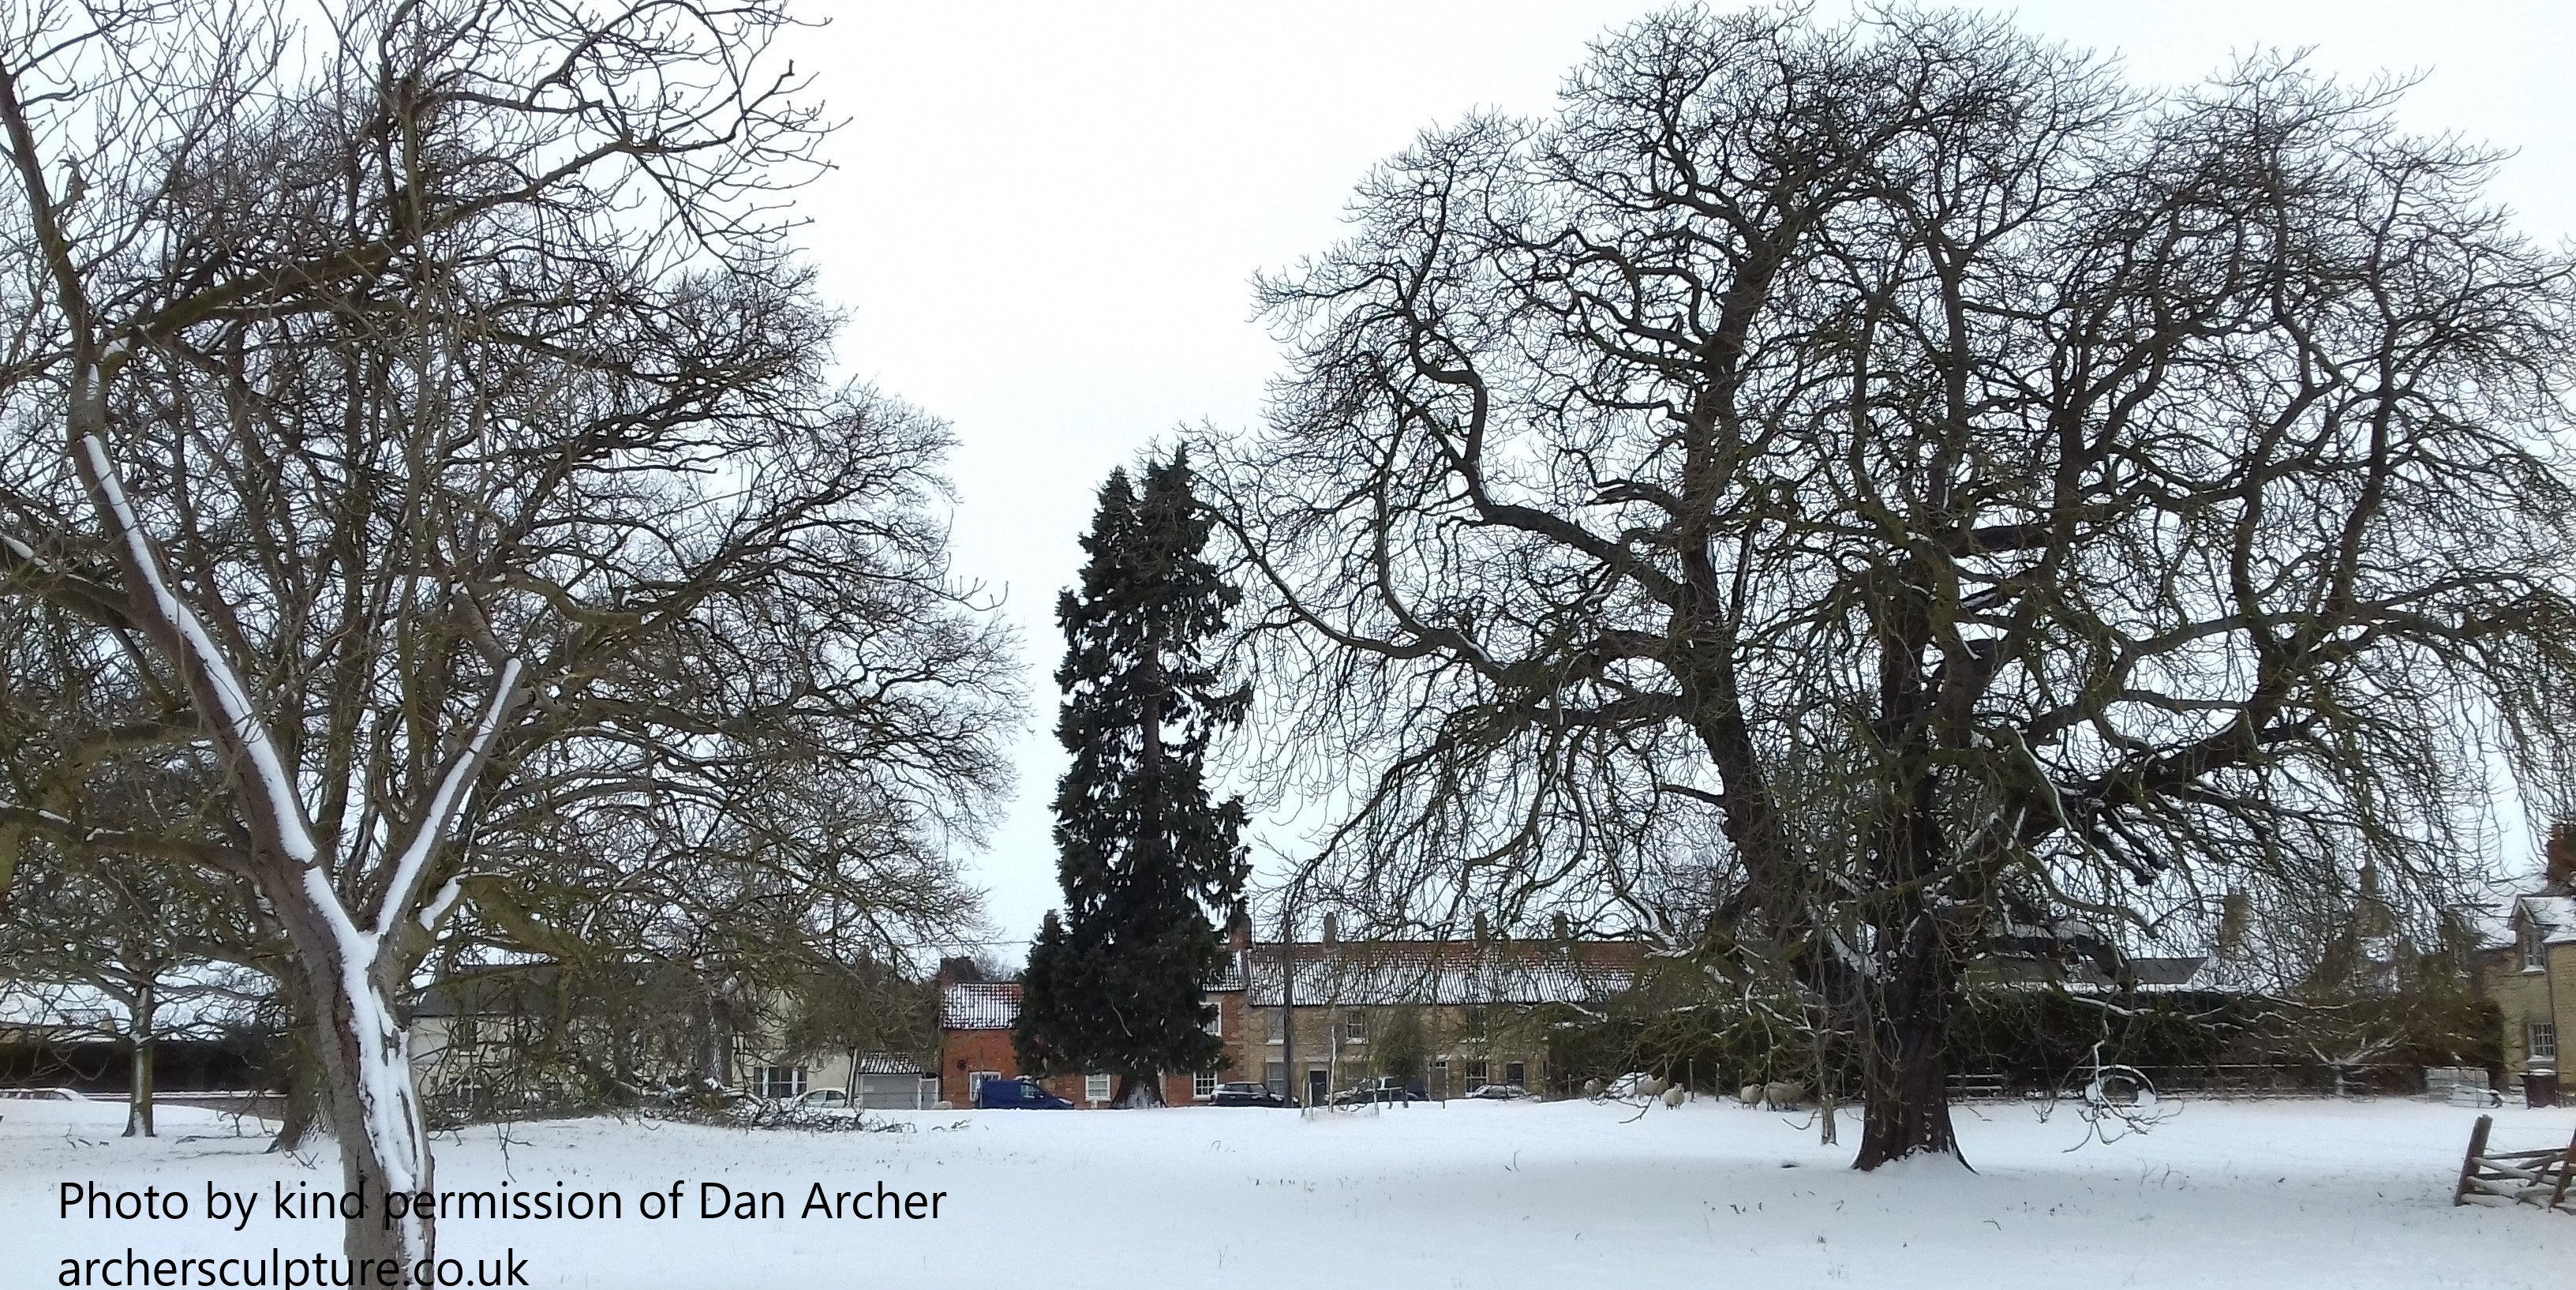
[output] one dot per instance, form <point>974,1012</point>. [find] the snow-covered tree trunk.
<point>352,963</point>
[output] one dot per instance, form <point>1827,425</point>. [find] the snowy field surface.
<point>2270,1194</point>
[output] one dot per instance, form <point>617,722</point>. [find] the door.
<point>1317,1086</point>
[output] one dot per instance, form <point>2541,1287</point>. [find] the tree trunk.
<point>303,1071</point>
<point>1904,1022</point>
<point>138,1103</point>
<point>371,1106</point>
<point>1137,1091</point>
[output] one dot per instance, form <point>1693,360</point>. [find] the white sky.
<point>1046,216</point>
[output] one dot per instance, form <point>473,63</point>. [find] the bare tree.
<point>458,431</point>
<point>1907,476</point>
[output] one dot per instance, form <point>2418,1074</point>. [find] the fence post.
<point>2469,1166</point>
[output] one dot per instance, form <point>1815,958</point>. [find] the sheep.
<point>1673,1096</point>
<point>1780,1096</point>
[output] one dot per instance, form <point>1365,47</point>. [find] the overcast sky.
<point>1045,216</point>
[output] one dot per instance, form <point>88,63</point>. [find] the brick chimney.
<point>1332,929</point>
<point>2558,859</point>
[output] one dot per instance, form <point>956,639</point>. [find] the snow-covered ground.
<point>2271,1194</point>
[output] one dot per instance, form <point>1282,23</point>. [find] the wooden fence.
<point>2538,1177</point>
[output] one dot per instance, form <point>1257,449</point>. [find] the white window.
<point>1203,1085</point>
<point>1278,1024</point>
<point>2533,948</point>
<point>975,1081</point>
<point>1354,1027</point>
<point>1216,1018</point>
<point>780,1081</point>
<point>2544,1041</point>
<point>1095,1088</point>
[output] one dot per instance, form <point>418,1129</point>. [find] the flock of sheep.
<point>1777,1095</point>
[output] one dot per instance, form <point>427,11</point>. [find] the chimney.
<point>1332,928</point>
<point>1564,927</point>
<point>2235,919</point>
<point>1238,928</point>
<point>2558,856</point>
<point>1484,930</point>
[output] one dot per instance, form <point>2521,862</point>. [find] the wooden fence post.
<point>2469,1166</point>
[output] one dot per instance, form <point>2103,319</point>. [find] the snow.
<point>979,1006</point>
<point>2270,1194</point>
<point>230,693</point>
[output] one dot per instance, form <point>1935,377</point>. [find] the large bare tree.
<point>458,432</point>
<point>1891,483</point>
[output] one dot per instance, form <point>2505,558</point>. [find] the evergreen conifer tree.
<point>1116,984</point>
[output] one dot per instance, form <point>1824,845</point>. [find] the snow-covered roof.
<point>979,1006</point>
<point>202,997</point>
<point>1378,973</point>
<point>2555,916</point>
<point>893,1064</point>
<point>2149,975</point>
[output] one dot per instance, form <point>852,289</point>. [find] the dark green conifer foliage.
<point>1145,859</point>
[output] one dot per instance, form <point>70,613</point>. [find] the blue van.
<point>1017,1094</point>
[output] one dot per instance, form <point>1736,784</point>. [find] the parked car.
<point>1498,1092</point>
<point>825,1099</point>
<point>1385,1088</point>
<point>1247,1093</point>
<point>1022,1094</point>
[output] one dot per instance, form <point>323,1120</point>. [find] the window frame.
<point>1098,1088</point>
<point>2535,948</point>
<point>766,1081</point>
<point>2540,1041</point>
<point>1202,1085</point>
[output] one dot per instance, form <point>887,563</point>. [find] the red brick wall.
<point>963,1052</point>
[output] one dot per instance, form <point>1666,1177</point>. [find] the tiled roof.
<point>893,1064</point>
<point>1378,973</point>
<point>979,1006</point>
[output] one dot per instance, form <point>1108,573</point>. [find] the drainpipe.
<point>1288,1008</point>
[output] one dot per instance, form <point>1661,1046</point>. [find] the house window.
<point>1095,1088</point>
<point>780,1082</point>
<point>1476,1021</point>
<point>1203,1085</point>
<point>1278,1024</point>
<point>1354,1027</point>
<point>975,1081</point>
<point>1475,1075</point>
<point>1516,1074</point>
<point>2544,1041</point>
<point>2533,948</point>
<point>1275,1074</point>
<point>1216,1020</point>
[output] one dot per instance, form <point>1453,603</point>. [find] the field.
<point>2271,1194</point>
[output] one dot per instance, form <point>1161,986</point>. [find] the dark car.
<point>1385,1088</point>
<point>1021,1094</point>
<point>1246,1093</point>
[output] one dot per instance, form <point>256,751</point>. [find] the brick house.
<point>2532,979</point>
<point>975,1019</point>
<point>1457,1014</point>
<point>1311,1018</point>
